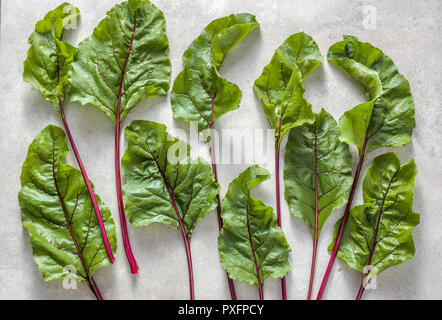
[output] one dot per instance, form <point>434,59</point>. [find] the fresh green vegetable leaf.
<point>252,246</point>
<point>355,123</point>
<point>279,88</point>
<point>391,120</point>
<point>379,232</point>
<point>387,120</point>
<point>163,184</point>
<point>58,212</point>
<point>124,61</point>
<point>317,172</point>
<point>199,92</point>
<point>280,91</point>
<point>46,68</point>
<point>49,58</point>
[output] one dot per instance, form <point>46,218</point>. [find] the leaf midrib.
<point>381,212</point>
<point>123,71</point>
<point>65,213</point>
<point>166,184</point>
<point>258,275</point>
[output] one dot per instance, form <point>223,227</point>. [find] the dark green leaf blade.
<point>250,237</point>
<point>49,58</point>
<point>158,179</point>
<point>54,200</point>
<point>125,57</point>
<point>392,117</point>
<point>354,124</point>
<point>314,150</point>
<point>279,88</point>
<point>199,92</point>
<point>379,232</point>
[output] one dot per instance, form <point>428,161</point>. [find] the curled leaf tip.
<point>251,245</point>
<point>199,92</point>
<point>57,210</point>
<point>388,118</point>
<point>280,89</point>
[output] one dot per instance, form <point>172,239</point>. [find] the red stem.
<point>258,275</point>
<point>126,242</point>
<point>183,232</point>
<point>95,289</point>
<point>312,270</point>
<point>127,247</point>
<point>91,282</point>
<point>343,224</point>
<point>188,253</point>
<point>278,205</point>
<point>375,241</point>
<point>220,224</point>
<point>218,197</point>
<point>84,173</point>
<point>182,227</point>
<point>361,291</point>
<point>88,184</point>
<point>315,240</point>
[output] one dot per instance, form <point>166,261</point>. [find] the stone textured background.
<point>409,31</point>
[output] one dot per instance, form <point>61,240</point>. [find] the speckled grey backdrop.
<point>409,31</point>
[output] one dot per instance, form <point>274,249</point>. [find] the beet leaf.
<point>46,69</point>
<point>379,232</point>
<point>164,187</point>
<point>280,91</point>
<point>252,246</point>
<point>386,120</point>
<point>58,212</point>
<point>200,93</point>
<point>317,175</point>
<point>124,61</point>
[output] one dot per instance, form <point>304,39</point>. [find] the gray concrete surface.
<point>409,31</point>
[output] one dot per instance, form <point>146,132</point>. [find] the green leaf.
<point>317,166</point>
<point>58,213</point>
<point>391,120</point>
<point>124,61</point>
<point>379,232</point>
<point>355,123</point>
<point>199,92</point>
<point>164,184</point>
<point>250,239</point>
<point>279,88</point>
<point>49,58</point>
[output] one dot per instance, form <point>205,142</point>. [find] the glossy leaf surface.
<point>57,211</point>
<point>49,58</point>
<point>279,88</point>
<point>251,244</point>
<point>379,232</point>
<point>317,171</point>
<point>163,181</point>
<point>124,60</point>
<point>390,121</point>
<point>200,93</point>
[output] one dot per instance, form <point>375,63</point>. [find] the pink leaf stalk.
<point>126,242</point>
<point>278,199</point>
<point>344,222</point>
<point>218,197</point>
<point>88,184</point>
